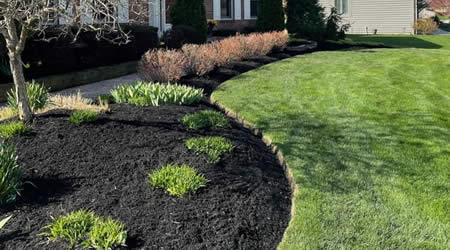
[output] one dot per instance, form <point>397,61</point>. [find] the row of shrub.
<point>60,56</point>
<point>172,65</point>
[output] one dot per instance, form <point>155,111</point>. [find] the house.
<point>364,16</point>
<point>376,16</point>
<point>230,14</point>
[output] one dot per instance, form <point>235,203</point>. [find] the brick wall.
<point>209,9</point>
<point>141,7</point>
<point>229,24</point>
<point>169,3</point>
<point>138,11</point>
<point>238,25</point>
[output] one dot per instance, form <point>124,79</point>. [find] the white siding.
<point>387,16</point>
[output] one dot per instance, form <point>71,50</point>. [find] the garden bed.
<point>103,167</point>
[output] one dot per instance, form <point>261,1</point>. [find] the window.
<point>342,6</point>
<point>253,8</point>
<point>226,9</point>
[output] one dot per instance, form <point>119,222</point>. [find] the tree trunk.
<point>23,105</point>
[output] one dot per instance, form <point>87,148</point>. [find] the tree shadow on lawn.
<point>397,41</point>
<point>337,155</point>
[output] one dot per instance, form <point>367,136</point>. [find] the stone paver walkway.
<point>92,90</point>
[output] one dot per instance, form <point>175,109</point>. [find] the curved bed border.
<point>274,148</point>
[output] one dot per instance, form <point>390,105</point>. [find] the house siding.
<point>385,16</point>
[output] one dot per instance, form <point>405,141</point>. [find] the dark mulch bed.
<point>103,167</point>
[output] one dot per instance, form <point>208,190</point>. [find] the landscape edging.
<point>302,49</point>
<point>268,141</point>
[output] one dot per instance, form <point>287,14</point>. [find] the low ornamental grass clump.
<point>10,129</point>
<point>37,96</point>
<point>205,119</point>
<point>84,228</point>
<point>4,221</point>
<point>155,94</point>
<point>177,180</point>
<point>171,65</point>
<point>214,146</point>
<point>10,174</point>
<point>83,116</point>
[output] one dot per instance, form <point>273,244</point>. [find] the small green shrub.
<point>177,180</point>
<point>83,116</point>
<point>106,234</point>
<point>10,174</point>
<point>84,228</point>
<point>37,96</point>
<point>71,228</point>
<point>214,146</point>
<point>155,94</point>
<point>205,119</point>
<point>191,13</point>
<point>14,128</point>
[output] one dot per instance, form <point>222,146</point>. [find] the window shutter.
<point>247,8</point>
<point>123,10</point>
<point>237,9</point>
<point>216,9</point>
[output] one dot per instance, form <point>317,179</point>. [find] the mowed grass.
<point>367,137</point>
<point>405,41</point>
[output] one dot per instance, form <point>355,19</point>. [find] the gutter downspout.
<point>416,16</point>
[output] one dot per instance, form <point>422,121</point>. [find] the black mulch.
<point>103,167</point>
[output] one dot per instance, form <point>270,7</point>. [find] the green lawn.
<point>444,18</point>
<point>405,41</point>
<point>367,137</point>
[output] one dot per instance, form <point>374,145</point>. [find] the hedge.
<point>64,56</point>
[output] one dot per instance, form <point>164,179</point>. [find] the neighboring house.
<point>376,16</point>
<point>427,13</point>
<point>441,7</point>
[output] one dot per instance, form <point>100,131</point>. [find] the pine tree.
<point>191,13</point>
<point>270,15</point>
<point>305,18</point>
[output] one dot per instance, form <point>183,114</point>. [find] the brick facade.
<point>136,6</point>
<point>229,24</point>
<point>222,24</point>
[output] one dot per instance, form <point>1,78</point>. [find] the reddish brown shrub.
<point>281,39</point>
<point>201,59</point>
<point>228,50</point>
<point>163,65</point>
